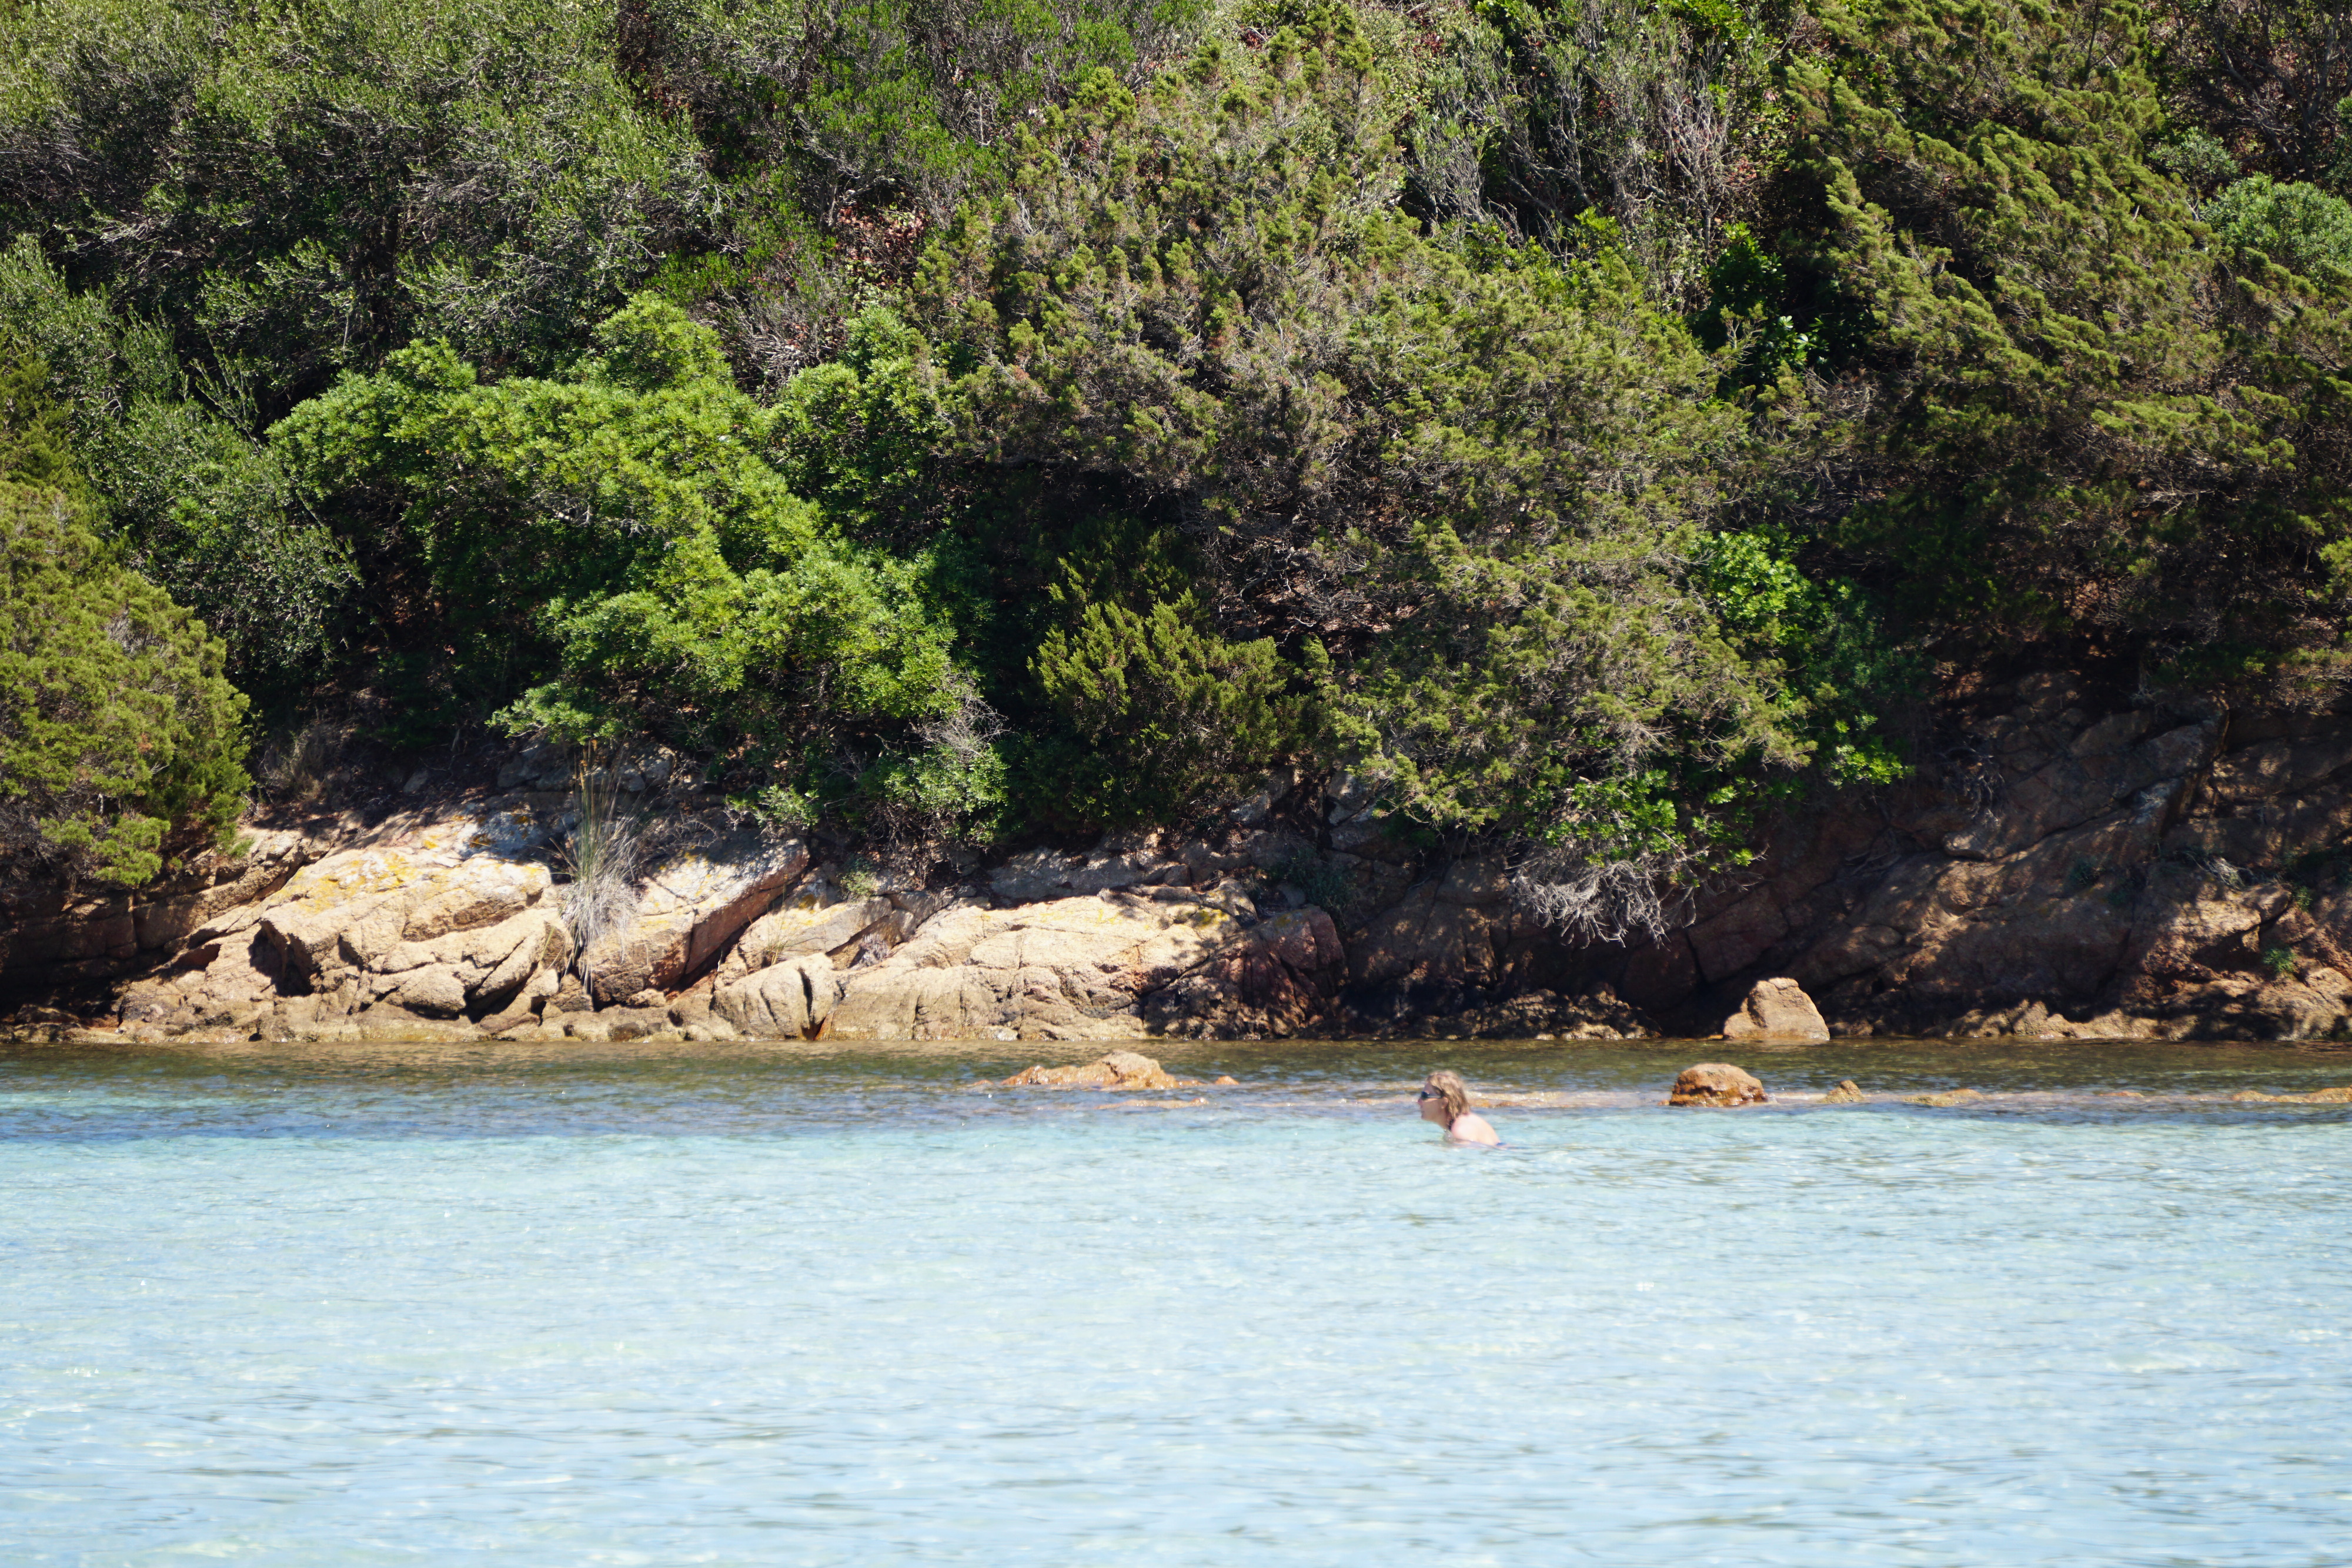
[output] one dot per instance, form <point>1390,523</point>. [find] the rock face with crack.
<point>2057,872</point>
<point>52,934</point>
<point>1088,968</point>
<point>790,1000</point>
<point>437,934</point>
<point>692,905</point>
<point>425,928</point>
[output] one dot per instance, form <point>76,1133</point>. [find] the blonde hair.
<point>1453,1091</point>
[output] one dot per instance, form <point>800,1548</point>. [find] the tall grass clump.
<point>602,856</point>
<point>298,764</point>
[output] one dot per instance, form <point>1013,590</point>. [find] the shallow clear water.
<point>785,1306</point>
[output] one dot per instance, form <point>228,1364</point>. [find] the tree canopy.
<point>1586,422</point>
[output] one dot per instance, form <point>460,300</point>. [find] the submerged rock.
<point>2316,1097</point>
<point>387,1023</point>
<point>1949,1097</point>
<point>1716,1084</point>
<point>1119,1070</point>
<point>1777,1009</point>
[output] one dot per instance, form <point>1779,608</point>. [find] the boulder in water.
<point>1847,1092</point>
<point>1716,1084</point>
<point>1119,1070</point>
<point>1776,1009</point>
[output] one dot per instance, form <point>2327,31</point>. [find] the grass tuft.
<point>602,856</point>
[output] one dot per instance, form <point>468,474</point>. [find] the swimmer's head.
<point>1446,1093</point>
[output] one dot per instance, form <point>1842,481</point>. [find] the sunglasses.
<point>1427,1094</point>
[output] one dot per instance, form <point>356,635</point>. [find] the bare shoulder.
<point>1472,1128</point>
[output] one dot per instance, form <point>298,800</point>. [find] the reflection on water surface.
<point>800,1304</point>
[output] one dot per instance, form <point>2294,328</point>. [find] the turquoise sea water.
<point>711,1305</point>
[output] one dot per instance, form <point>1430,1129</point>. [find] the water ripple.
<point>809,1306</point>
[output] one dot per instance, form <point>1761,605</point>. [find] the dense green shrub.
<point>1839,668</point>
<point>197,499</point>
<point>870,103</point>
<point>2298,227</point>
<point>302,188</point>
<point>1468,474</point>
<point>1589,423</point>
<point>1176,713</point>
<point>1640,125</point>
<point>2066,408</point>
<point>119,736</point>
<point>633,514</point>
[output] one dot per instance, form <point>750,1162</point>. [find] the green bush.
<point>1839,668</point>
<point>1638,126</point>
<point>886,102</point>
<point>1584,420</point>
<point>299,189</point>
<point>201,503</point>
<point>1175,714</point>
<point>2068,412</point>
<point>1205,292</point>
<point>633,514</point>
<point>2197,159</point>
<point>2299,227</point>
<point>119,736</point>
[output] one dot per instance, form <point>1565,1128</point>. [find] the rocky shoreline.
<point>2059,869</point>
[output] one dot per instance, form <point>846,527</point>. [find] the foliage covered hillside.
<point>1587,421</point>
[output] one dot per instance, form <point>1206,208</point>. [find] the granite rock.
<point>1716,1084</point>
<point>1776,1009</point>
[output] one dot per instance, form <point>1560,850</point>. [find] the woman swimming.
<point>1445,1100</point>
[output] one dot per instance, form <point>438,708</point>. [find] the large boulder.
<point>1716,1084</point>
<point>790,1000</point>
<point>690,906</point>
<point>1114,966</point>
<point>1777,1009</point>
<point>379,911</point>
<point>429,923</point>
<point>1069,969</point>
<point>478,972</point>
